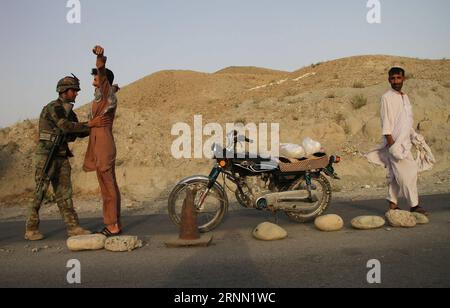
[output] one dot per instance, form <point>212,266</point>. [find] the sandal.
<point>105,231</point>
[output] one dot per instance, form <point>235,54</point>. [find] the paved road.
<point>418,257</point>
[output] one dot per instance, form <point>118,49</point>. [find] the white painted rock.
<point>86,242</point>
<point>269,232</point>
<point>368,222</point>
<point>404,219</point>
<point>421,219</point>
<point>329,223</point>
<point>122,243</point>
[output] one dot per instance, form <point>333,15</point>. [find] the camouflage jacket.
<point>54,120</point>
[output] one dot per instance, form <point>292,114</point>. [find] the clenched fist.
<point>98,50</point>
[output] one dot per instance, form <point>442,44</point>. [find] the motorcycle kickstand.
<point>275,216</point>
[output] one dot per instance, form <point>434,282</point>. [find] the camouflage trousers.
<point>59,176</point>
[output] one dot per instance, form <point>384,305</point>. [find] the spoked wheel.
<point>241,198</point>
<point>209,214</point>
<point>319,200</point>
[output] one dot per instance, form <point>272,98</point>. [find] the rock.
<point>421,219</point>
<point>269,232</point>
<point>402,219</point>
<point>86,242</point>
<point>425,126</point>
<point>329,223</point>
<point>122,243</point>
<point>368,222</point>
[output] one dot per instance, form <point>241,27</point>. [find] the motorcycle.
<point>300,189</point>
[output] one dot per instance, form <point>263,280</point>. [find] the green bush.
<point>358,101</point>
<point>339,118</point>
<point>358,85</point>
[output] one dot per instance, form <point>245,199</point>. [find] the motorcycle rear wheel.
<point>322,192</point>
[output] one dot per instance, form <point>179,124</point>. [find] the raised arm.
<point>103,84</point>
<point>101,60</point>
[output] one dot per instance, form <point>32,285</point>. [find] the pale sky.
<point>39,46</point>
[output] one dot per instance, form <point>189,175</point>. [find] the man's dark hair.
<point>109,75</point>
<point>396,71</point>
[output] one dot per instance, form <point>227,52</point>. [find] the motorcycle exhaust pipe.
<point>286,201</point>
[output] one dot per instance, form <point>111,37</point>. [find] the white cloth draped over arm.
<point>425,159</point>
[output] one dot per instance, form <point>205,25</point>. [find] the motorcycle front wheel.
<point>210,214</point>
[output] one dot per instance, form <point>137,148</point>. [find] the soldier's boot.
<point>70,218</point>
<point>32,225</point>
<point>77,231</point>
<point>34,235</point>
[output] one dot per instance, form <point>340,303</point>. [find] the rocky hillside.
<point>336,102</point>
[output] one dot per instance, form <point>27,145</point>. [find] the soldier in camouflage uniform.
<point>56,118</point>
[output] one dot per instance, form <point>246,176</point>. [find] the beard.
<point>397,87</point>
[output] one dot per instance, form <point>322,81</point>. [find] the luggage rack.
<point>317,161</point>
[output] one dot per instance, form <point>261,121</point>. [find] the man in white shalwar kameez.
<point>395,154</point>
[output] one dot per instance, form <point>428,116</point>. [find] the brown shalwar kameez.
<point>101,151</point>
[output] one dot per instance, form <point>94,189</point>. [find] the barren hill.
<point>335,102</point>
<point>250,70</point>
